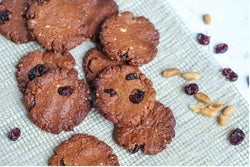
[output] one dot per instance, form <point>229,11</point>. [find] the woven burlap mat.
<point>199,140</point>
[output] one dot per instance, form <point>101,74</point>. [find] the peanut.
<point>171,72</point>
<point>228,111</point>
<point>216,106</point>
<point>222,120</point>
<point>191,75</point>
<point>196,108</point>
<point>203,98</point>
<point>208,112</point>
<point>207,18</point>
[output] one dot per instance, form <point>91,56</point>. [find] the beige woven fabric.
<point>199,140</point>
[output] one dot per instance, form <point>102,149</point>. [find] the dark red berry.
<point>220,48</point>
<point>112,92</point>
<point>124,55</point>
<point>14,134</point>
<point>137,97</point>
<point>65,91</point>
<point>203,39</point>
<point>237,136</point>
<point>62,162</point>
<point>33,103</point>
<point>230,74</point>
<point>132,76</point>
<point>191,89</point>
<point>4,15</point>
<point>32,74</point>
<point>40,68</point>
<point>36,71</point>
<point>136,149</point>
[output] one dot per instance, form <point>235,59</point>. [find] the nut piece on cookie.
<point>152,135</point>
<point>58,25</point>
<point>124,94</point>
<point>83,150</point>
<point>129,39</point>
<point>13,24</point>
<point>94,62</point>
<point>57,101</point>
<point>36,64</point>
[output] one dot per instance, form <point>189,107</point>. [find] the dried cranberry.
<point>62,162</point>
<point>39,69</point>
<point>124,55</point>
<point>137,97</point>
<point>230,74</point>
<point>14,134</point>
<point>33,103</point>
<point>112,92</point>
<point>221,48</point>
<point>32,74</point>
<point>65,91</point>
<point>4,15</point>
<point>237,136</point>
<point>203,39</point>
<point>136,149</point>
<point>191,89</point>
<point>132,76</point>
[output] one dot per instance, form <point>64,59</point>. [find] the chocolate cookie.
<point>13,24</point>
<point>94,62</point>
<point>152,134</point>
<point>129,39</point>
<point>96,12</point>
<point>57,101</point>
<point>83,150</point>
<point>124,94</point>
<point>37,63</point>
<point>58,25</point>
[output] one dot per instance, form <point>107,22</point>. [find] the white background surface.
<point>230,25</point>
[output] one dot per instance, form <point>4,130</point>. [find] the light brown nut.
<point>207,18</point>
<point>216,106</point>
<point>171,72</point>
<point>208,112</point>
<point>228,111</point>
<point>222,120</point>
<point>196,108</point>
<point>203,98</point>
<point>191,75</point>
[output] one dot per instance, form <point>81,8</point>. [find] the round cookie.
<point>94,62</point>
<point>58,25</point>
<point>130,39</point>
<point>57,101</point>
<point>152,134</point>
<point>13,24</point>
<point>83,150</point>
<point>123,94</point>
<point>97,11</point>
<point>37,63</point>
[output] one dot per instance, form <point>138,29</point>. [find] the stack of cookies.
<point>58,101</point>
<point>124,95</point>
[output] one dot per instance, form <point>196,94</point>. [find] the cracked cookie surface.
<point>57,101</point>
<point>129,39</point>
<point>153,133</point>
<point>37,63</point>
<point>83,150</point>
<point>124,94</point>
